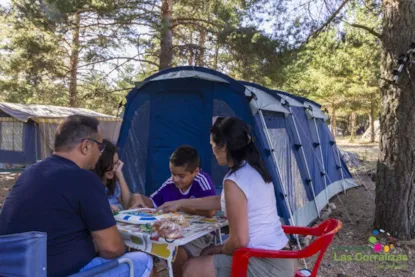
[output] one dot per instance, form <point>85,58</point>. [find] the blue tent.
<point>178,106</point>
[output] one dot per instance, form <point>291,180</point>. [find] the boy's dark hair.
<point>73,129</point>
<point>185,156</point>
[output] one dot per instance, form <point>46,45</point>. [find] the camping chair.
<point>24,254</point>
<point>324,231</point>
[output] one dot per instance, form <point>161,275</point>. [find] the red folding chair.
<point>324,232</point>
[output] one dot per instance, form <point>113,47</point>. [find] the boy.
<point>186,181</point>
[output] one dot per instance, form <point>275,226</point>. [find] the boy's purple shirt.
<point>202,186</point>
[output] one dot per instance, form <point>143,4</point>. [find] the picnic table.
<point>138,236</point>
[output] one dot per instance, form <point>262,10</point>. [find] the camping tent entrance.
<point>164,115</point>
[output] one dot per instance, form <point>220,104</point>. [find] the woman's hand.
<point>137,202</point>
<point>212,250</point>
<point>114,209</point>
<point>118,169</point>
<point>172,206</point>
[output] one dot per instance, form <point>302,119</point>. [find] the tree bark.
<point>216,56</point>
<point>372,122</point>
<point>353,121</point>
<point>333,121</point>
<point>201,57</point>
<point>192,54</point>
<point>73,81</point>
<point>166,42</point>
<point>395,191</point>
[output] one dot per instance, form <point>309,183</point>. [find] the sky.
<point>4,2</point>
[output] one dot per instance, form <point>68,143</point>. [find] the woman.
<point>247,199</point>
<point>109,170</point>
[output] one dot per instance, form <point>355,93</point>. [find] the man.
<point>62,197</point>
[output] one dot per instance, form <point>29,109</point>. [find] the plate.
<point>139,216</point>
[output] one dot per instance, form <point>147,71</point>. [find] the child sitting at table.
<point>186,181</point>
<point>109,170</point>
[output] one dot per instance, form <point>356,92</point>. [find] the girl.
<point>248,200</point>
<point>109,170</point>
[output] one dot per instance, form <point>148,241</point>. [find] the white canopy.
<point>24,112</point>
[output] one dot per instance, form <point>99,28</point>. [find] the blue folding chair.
<point>24,254</point>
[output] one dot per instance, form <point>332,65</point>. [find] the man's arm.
<point>97,217</point>
<point>109,243</point>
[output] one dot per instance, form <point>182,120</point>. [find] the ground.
<point>354,236</point>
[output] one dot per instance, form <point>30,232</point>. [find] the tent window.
<point>11,136</point>
<point>290,173</point>
<point>135,150</point>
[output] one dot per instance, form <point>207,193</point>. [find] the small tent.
<point>178,106</point>
<point>27,131</point>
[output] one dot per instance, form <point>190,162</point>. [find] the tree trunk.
<point>216,56</point>
<point>166,42</point>
<point>353,121</point>
<point>201,57</point>
<point>372,122</point>
<point>333,122</point>
<point>395,190</point>
<point>73,81</point>
<point>192,53</point>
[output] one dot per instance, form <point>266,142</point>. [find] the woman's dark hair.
<point>106,163</point>
<point>236,135</point>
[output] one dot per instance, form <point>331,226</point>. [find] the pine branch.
<point>118,58</point>
<point>183,21</point>
<point>367,29</point>
<point>329,20</point>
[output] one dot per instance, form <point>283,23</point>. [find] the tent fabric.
<point>189,74</point>
<point>24,112</point>
<point>177,106</point>
<point>263,100</point>
<point>27,132</point>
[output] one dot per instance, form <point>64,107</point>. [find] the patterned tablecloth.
<point>139,236</point>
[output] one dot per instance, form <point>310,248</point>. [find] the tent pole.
<point>305,162</point>
<point>322,160</point>
<point>340,164</point>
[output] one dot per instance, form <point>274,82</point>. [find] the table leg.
<point>170,268</point>
<point>220,236</point>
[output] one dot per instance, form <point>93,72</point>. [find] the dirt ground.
<point>353,239</point>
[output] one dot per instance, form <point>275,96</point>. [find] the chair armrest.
<point>280,254</point>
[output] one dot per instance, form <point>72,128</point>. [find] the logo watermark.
<point>380,250</point>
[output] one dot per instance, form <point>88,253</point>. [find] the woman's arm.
<point>125,191</point>
<point>205,203</point>
<point>237,213</point>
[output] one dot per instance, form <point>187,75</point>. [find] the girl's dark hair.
<point>236,135</point>
<point>106,163</point>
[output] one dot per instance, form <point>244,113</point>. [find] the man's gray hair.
<point>73,129</point>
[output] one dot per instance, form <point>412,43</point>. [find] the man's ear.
<point>84,147</point>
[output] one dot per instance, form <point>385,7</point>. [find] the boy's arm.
<point>207,213</point>
<point>204,183</point>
